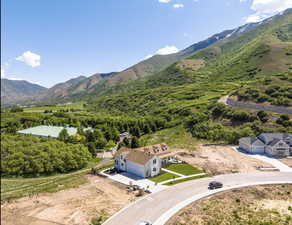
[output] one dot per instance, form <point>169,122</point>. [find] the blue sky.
<point>51,41</point>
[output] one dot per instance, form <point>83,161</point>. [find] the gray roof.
<point>287,135</point>
<point>251,141</point>
<point>49,131</point>
<point>267,138</point>
<point>274,142</point>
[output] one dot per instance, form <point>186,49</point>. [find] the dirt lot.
<point>287,161</point>
<point>271,204</point>
<point>73,206</point>
<point>220,159</point>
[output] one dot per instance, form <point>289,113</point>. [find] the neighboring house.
<point>143,162</point>
<point>252,145</point>
<point>125,135</point>
<point>274,144</point>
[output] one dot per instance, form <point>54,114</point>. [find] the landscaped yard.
<point>184,169</point>
<point>163,177</point>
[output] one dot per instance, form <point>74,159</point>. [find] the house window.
<point>154,169</point>
<point>154,161</point>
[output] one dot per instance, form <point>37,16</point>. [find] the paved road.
<point>159,206</point>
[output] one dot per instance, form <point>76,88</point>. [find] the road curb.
<point>172,211</point>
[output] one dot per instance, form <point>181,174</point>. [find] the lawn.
<point>184,180</point>
<point>163,177</point>
<point>12,188</point>
<point>184,169</point>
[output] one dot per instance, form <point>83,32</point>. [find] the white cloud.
<point>164,1</point>
<point>14,78</point>
<point>167,50</point>
<point>2,72</point>
<point>267,8</point>
<point>33,82</point>
<point>30,59</point>
<point>164,51</point>
<point>177,6</point>
<point>148,56</point>
<point>253,18</point>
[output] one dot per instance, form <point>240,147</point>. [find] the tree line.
<point>224,124</point>
<point>27,155</point>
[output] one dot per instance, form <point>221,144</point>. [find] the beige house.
<point>143,162</point>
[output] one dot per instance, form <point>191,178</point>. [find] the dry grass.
<point>193,64</point>
<point>79,205</point>
<point>271,205</point>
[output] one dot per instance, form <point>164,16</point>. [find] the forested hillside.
<point>258,56</point>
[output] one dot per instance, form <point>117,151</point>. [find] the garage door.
<point>258,149</point>
<point>135,168</point>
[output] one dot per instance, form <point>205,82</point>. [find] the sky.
<point>51,41</point>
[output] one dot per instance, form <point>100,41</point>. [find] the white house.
<point>143,162</point>
<point>273,144</point>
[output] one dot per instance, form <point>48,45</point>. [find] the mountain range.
<point>243,53</point>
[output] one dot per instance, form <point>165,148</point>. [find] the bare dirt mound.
<point>72,206</point>
<point>220,159</point>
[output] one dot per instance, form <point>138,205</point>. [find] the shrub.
<point>263,116</point>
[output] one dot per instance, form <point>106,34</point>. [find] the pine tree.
<point>63,135</point>
<point>135,142</point>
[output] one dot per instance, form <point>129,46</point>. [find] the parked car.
<point>215,185</point>
<point>144,223</point>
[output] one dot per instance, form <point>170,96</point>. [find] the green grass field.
<point>163,177</point>
<point>12,188</point>
<point>184,169</point>
<point>176,137</point>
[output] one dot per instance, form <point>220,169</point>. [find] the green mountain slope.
<point>224,67</point>
<point>102,84</point>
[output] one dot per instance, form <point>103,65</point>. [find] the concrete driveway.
<point>160,206</point>
<point>273,161</point>
<point>127,178</point>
